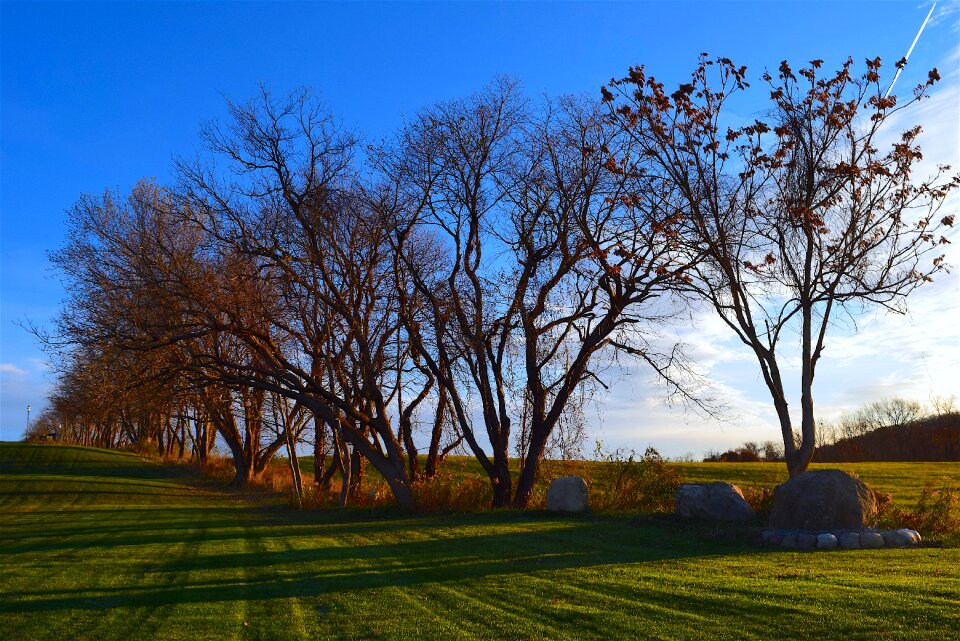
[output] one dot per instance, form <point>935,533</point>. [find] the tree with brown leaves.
<point>797,216</point>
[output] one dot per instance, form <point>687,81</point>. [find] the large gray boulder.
<point>718,501</point>
<point>568,494</point>
<point>823,500</point>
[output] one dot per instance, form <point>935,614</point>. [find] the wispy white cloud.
<point>10,368</point>
<point>945,12</point>
<point>39,364</point>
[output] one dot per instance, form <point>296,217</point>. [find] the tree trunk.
<point>294,468</point>
<point>406,430</point>
<point>183,438</point>
<point>319,449</point>
<point>356,473</point>
<point>808,427</point>
<point>243,472</point>
<point>531,468</point>
<point>433,454</point>
<point>501,481</point>
<point>243,455</point>
<point>326,478</point>
<point>343,456</point>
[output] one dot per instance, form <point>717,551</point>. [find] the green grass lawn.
<point>102,545</point>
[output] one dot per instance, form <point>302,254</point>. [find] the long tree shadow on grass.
<point>129,527</point>
<point>325,553</point>
<point>440,556</point>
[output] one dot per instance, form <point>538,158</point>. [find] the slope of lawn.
<point>101,545</point>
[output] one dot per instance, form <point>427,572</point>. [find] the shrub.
<point>218,467</point>
<point>313,497</point>
<point>760,498</point>
<point>937,511</point>
<point>275,477</point>
<point>444,493</point>
<point>645,483</point>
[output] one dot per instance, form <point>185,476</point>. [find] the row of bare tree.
<point>470,279</point>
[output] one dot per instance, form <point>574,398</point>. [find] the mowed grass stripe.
<point>101,545</point>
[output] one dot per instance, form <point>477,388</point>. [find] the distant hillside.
<point>935,438</point>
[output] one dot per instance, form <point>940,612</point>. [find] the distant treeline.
<point>890,429</point>
<point>936,438</point>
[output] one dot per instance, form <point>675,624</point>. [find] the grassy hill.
<point>102,545</point>
<point>934,438</point>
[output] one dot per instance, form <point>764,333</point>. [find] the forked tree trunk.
<point>531,467</point>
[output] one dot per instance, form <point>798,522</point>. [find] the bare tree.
<point>286,202</point>
<point>544,262</point>
<point>288,421</point>
<point>800,216</point>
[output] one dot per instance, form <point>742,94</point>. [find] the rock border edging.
<point>865,539</point>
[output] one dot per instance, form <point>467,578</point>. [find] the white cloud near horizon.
<point>10,368</point>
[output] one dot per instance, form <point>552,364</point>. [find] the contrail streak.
<point>907,57</point>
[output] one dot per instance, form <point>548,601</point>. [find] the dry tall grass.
<point>937,512</point>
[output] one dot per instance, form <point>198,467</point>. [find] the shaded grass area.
<point>101,545</point>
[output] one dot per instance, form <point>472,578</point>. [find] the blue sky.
<point>97,96</point>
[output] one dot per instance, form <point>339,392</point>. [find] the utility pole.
<point>28,416</point>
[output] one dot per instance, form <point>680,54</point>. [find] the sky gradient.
<point>99,95</point>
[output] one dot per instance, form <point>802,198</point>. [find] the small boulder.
<point>912,536</point>
<point>823,500</point>
<point>718,501</point>
<point>849,541</point>
<point>896,539</point>
<point>806,541</point>
<point>771,537</point>
<point>871,540</point>
<point>826,542</point>
<point>789,540</point>
<point>568,494</point>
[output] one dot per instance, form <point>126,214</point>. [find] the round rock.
<point>850,541</point>
<point>568,494</point>
<point>718,501</point>
<point>823,500</point>
<point>895,539</point>
<point>826,542</point>
<point>771,537</point>
<point>871,540</point>
<point>806,541</point>
<point>912,537</point>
